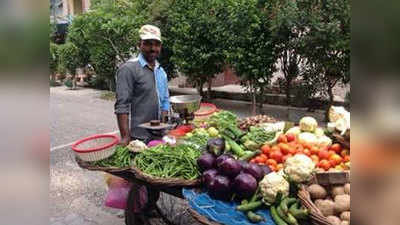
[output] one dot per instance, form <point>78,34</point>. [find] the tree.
<point>195,35</point>
<point>286,28</point>
<point>326,44</point>
<point>249,46</point>
<point>107,35</point>
<point>53,60</point>
<point>69,57</point>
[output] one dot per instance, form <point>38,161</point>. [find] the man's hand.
<point>124,141</point>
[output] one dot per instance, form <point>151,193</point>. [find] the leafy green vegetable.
<point>197,139</point>
<point>223,119</point>
<point>169,162</point>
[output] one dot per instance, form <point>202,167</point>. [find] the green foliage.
<point>286,28</point>
<point>326,43</point>
<point>69,57</point>
<point>107,35</point>
<point>248,45</point>
<point>195,35</point>
<point>53,58</point>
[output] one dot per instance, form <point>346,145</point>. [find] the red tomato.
<point>314,150</point>
<point>275,148</point>
<point>253,160</point>
<point>290,137</point>
<point>336,159</point>
<point>282,139</point>
<point>279,166</point>
<point>331,153</point>
<point>273,168</point>
<point>336,147</point>
<point>264,156</point>
<point>346,158</point>
<point>323,154</point>
<point>277,156</point>
<point>285,157</point>
<point>284,148</point>
<point>325,164</point>
<point>307,145</point>
<point>265,149</point>
<point>315,159</point>
<point>271,162</point>
<point>307,152</point>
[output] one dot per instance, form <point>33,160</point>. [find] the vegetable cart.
<point>258,174</point>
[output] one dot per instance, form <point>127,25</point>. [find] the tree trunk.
<point>253,99</point>
<point>209,87</point>
<point>200,88</point>
<point>287,91</point>
<point>331,99</point>
<point>73,82</point>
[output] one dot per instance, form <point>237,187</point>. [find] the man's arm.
<point>123,125</point>
<point>165,104</point>
<point>124,89</point>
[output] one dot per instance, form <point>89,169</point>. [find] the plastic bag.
<point>118,193</point>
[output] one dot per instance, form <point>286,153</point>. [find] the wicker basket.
<point>96,147</point>
<point>132,173</point>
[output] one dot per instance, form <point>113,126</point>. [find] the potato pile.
<point>334,202</point>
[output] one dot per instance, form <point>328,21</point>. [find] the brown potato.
<point>317,191</point>
<point>345,215</point>
<point>334,220</point>
<point>327,207</point>
<point>337,190</point>
<point>347,188</point>
<point>342,203</point>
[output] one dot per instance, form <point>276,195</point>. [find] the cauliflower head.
<point>271,185</point>
<point>299,168</point>
<point>308,124</point>
<point>324,141</point>
<point>294,130</point>
<point>137,146</point>
<point>308,138</point>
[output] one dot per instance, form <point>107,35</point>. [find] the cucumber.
<point>254,218</point>
<point>250,155</point>
<point>250,206</point>
<point>285,202</point>
<point>288,218</point>
<point>297,212</point>
<point>278,220</point>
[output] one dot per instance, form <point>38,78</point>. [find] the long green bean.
<point>169,162</point>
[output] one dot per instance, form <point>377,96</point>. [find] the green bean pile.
<point>169,162</point>
<point>122,157</point>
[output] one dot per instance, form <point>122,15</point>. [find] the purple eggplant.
<point>208,176</point>
<point>230,167</point>
<point>245,185</point>
<point>216,146</point>
<point>206,161</point>
<point>265,169</point>
<point>220,187</point>
<point>221,158</point>
<point>255,170</point>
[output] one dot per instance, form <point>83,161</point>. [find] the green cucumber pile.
<point>289,212</point>
<point>166,161</point>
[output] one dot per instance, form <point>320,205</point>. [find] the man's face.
<point>150,49</point>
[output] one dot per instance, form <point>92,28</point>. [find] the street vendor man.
<point>141,88</point>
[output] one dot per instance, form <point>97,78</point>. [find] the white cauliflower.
<point>294,130</point>
<point>324,140</point>
<point>307,137</point>
<point>271,185</point>
<point>137,146</point>
<point>308,124</point>
<point>319,132</point>
<point>299,168</point>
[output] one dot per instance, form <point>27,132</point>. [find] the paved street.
<point>77,195</point>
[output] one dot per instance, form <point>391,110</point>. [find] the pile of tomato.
<point>325,157</point>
